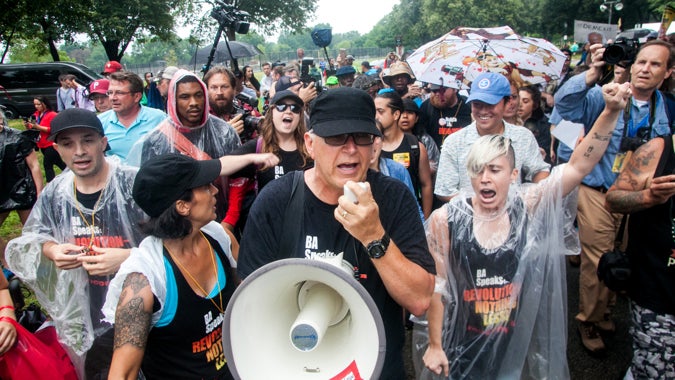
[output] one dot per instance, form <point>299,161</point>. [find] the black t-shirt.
<point>453,119</point>
<point>409,157</point>
<point>288,162</point>
<point>323,236</point>
<point>651,246</point>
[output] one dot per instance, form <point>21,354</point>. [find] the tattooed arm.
<point>589,151</point>
<point>635,189</point>
<point>132,325</point>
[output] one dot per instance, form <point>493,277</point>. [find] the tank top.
<point>485,311</point>
<point>191,345</point>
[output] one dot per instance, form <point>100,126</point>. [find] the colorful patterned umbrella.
<point>462,54</point>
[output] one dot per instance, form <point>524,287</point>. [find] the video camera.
<point>251,122</point>
<point>308,78</point>
<point>227,15</point>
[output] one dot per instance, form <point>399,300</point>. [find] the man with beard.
<point>189,130</point>
<point>222,84</point>
<point>445,112</point>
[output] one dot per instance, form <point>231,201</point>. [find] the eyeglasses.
<point>283,107</point>
<point>118,93</point>
<point>361,139</point>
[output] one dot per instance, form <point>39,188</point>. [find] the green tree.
<point>116,23</point>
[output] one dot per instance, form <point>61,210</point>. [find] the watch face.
<point>377,248</point>
<point>376,251</point>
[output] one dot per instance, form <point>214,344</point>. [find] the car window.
<point>42,77</point>
<point>10,79</point>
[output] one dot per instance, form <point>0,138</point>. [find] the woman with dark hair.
<point>282,133</point>
<point>534,119</point>
<point>251,81</point>
<point>44,113</point>
<point>172,291</point>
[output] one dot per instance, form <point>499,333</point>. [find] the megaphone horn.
<point>335,328</point>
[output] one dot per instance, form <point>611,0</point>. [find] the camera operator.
<point>306,91</point>
<point>222,86</point>
<point>580,100</point>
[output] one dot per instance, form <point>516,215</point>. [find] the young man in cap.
<point>79,232</point>
<point>345,75</point>
<point>381,234</point>
<point>490,93</point>
<point>111,67</point>
<point>163,78</point>
<point>128,120</point>
<point>98,94</point>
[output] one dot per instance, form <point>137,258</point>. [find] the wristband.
<point>10,307</point>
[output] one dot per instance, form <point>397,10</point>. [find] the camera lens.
<point>614,54</point>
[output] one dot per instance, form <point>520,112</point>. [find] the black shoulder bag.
<point>614,266</point>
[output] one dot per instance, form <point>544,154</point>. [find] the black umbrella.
<point>239,50</point>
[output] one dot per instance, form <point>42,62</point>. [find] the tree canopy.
<point>39,25</point>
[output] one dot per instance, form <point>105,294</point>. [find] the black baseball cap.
<point>410,106</point>
<point>286,82</point>
<point>343,110</point>
<point>163,179</point>
<point>74,118</point>
<point>286,94</point>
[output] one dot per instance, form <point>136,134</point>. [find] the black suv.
<point>20,83</point>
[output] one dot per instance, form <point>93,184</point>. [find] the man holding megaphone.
<point>378,229</point>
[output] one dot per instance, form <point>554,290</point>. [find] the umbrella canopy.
<point>464,53</point>
<point>239,50</point>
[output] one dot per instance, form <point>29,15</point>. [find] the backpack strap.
<point>414,143</point>
<point>293,217</point>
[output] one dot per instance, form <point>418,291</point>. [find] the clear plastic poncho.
<point>505,298</point>
<point>67,295</point>
<point>214,136</point>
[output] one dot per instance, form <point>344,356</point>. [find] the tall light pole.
<point>609,4</point>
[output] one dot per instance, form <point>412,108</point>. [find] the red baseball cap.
<point>111,67</point>
<point>99,86</point>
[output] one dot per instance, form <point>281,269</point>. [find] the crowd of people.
<point>174,189</point>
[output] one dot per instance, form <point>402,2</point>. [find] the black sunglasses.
<point>361,139</point>
<point>283,107</point>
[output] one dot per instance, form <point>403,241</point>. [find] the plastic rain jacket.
<point>71,297</point>
<point>505,298</point>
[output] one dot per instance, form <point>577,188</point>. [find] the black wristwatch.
<point>377,248</point>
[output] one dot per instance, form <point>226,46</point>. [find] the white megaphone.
<point>303,319</point>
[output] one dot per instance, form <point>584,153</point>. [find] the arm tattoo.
<point>588,151</point>
<point>597,136</point>
<point>132,321</point>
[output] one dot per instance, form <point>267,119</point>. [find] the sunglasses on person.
<point>361,139</point>
<point>283,107</point>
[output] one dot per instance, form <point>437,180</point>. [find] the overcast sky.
<point>347,15</point>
